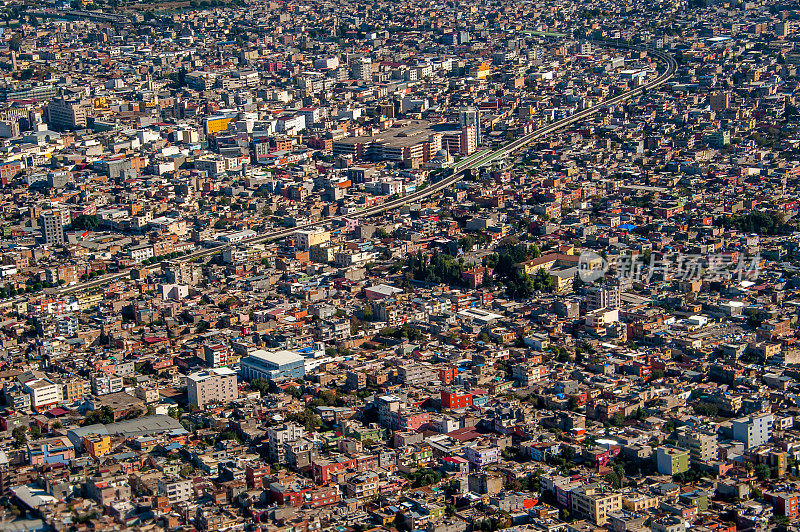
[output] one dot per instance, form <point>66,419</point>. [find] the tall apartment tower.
<point>67,114</point>
<point>602,296</point>
<point>471,116</point>
<point>52,223</point>
<point>719,101</point>
<point>362,68</point>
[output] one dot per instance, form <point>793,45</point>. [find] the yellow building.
<point>215,124</point>
<point>594,502</point>
<point>97,446</point>
<point>482,71</point>
<point>639,502</point>
<point>89,301</point>
<point>72,389</point>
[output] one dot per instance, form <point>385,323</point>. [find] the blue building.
<point>273,365</point>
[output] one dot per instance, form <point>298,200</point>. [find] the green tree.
<point>307,418</point>
<point>466,243</point>
<point>19,436</point>
<point>763,472</point>
<point>568,453</point>
<point>543,282</point>
<point>424,477</point>
<point>613,479</point>
<point>295,392</point>
<point>104,416</point>
<point>86,222</point>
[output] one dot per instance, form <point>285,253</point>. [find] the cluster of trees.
<point>532,482</point>
<point>86,222</point>
<point>327,398</point>
<point>467,243</point>
<point>500,521</point>
<point>168,256</point>
<point>92,274</point>
<point>616,476</point>
<point>406,331</point>
<point>307,418</point>
<point>424,477</point>
<point>10,290</point>
<point>438,268</point>
<point>516,281</point>
<point>564,459</point>
<point>337,351</point>
<point>706,409</point>
<point>560,354</point>
<point>763,223</point>
<point>228,435</point>
<point>261,385</point>
<point>692,475</point>
<point>486,524</point>
<point>104,416</point>
<point>178,411</point>
<point>763,472</point>
<point>19,436</point>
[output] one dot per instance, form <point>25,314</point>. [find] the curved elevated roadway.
<point>459,171</point>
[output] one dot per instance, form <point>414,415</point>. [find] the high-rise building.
<point>104,384</point>
<point>471,116</point>
<point>67,114</point>
<point>753,430</point>
<point>216,355</point>
<point>273,365</point>
<point>702,446</point>
<point>783,28</point>
<point>362,68</point>
<point>719,101</point>
<point>594,502</point>
<point>52,222</point>
<point>279,435</point>
<point>602,296</point>
<point>672,460</point>
<point>175,489</point>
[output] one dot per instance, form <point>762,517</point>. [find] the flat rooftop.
<point>280,357</point>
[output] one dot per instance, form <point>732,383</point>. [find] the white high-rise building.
<point>362,68</point>
<point>753,430</point>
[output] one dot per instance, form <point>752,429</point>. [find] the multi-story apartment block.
<point>217,385</point>
<point>594,502</point>
<point>753,430</point>
<point>671,460</point>
<point>175,489</point>
<point>52,223</point>
<point>702,446</point>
